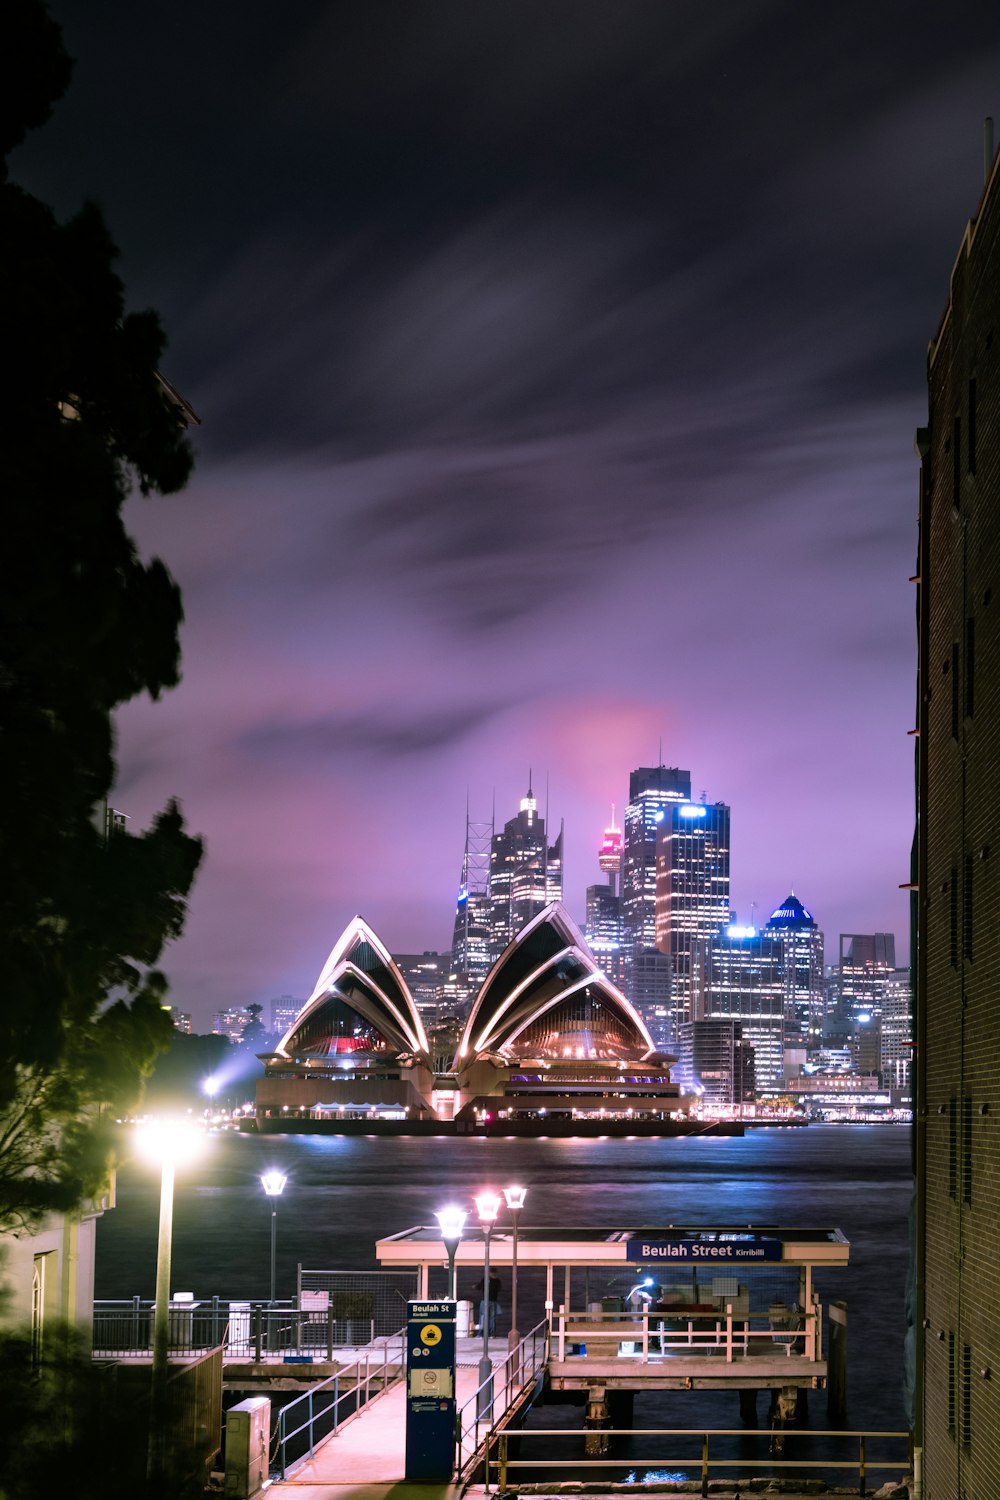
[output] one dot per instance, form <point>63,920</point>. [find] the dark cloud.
<point>397,733</point>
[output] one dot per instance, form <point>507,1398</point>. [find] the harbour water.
<point>344,1193</point>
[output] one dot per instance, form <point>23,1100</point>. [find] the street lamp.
<point>452,1222</point>
<point>169,1143</point>
<point>515,1197</point>
<point>273,1184</point>
<point>487,1207</point>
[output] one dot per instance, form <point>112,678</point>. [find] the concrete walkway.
<point>367,1458</point>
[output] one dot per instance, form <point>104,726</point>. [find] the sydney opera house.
<point>547,1034</point>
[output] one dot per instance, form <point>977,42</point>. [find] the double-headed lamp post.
<point>452,1222</point>
<point>169,1143</point>
<point>273,1184</point>
<point>487,1207</point>
<point>515,1197</point>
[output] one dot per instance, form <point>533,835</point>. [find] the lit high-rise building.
<point>802,969</point>
<point>425,973</point>
<point>692,889</point>
<point>603,929</point>
<point>896,1056</point>
<point>645,971</point>
<point>736,976</point>
<point>525,874</point>
<point>867,963</point>
<point>715,1062</point>
<point>470,947</point>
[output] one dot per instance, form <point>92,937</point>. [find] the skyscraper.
<point>525,874</point>
<point>691,889</point>
<point>957,1313</point>
<point>645,971</point>
<point>470,945</point>
<point>802,969</point>
<point>603,929</point>
<point>736,976</point>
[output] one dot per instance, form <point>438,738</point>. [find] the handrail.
<point>261,1331</point>
<point>494,1396</point>
<point>863,1464</point>
<point>361,1371</point>
<point>798,1332</point>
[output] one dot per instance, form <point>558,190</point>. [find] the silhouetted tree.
<point>85,625</point>
<point>254,1034</point>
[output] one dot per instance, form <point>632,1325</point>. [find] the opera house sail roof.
<point>547,1030</point>
<point>545,996</point>
<point>360,1003</point>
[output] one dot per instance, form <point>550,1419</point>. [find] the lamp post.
<point>167,1143</point>
<point>487,1207</point>
<point>515,1197</point>
<point>452,1222</point>
<point>273,1184</point>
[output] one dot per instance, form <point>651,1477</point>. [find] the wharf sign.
<point>729,1249</point>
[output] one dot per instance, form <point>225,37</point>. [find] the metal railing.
<point>261,1332</point>
<point>477,1418</point>
<point>651,1334</point>
<point>861,1462</point>
<point>320,1413</point>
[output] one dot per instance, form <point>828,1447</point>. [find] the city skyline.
<point>558,377</point>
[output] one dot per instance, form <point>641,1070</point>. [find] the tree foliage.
<point>85,625</point>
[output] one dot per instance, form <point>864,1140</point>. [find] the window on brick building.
<point>972,426</point>
<point>967,1150</point>
<point>970,666</point>
<point>952,1147</point>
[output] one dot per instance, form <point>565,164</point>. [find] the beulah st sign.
<point>701,1249</point>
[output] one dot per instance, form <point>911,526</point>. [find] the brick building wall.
<point>958,925</point>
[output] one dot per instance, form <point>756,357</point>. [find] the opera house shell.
<point>547,1033</point>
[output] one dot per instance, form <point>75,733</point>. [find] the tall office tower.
<point>181,1020</point>
<point>736,976</point>
<point>425,973</point>
<point>957,1321</point>
<point>230,1023</point>
<point>802,969</point>
<point>715,1062</point>
<point>867,962</point>
<point>470,946</point>
<point>525,873</point>
<point>603,929</point>
<point>896,1057</point>
<point>283,1010</point>
<point>692,889</point>
<point>645,971</point>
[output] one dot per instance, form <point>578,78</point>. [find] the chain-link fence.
<point>364,1305</point>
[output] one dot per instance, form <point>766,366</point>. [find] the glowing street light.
<point>487,1207</point>
<point>168,1143</point>
<point>452,1222</point>
<point>515,1197</point>
<point>273,1184</point>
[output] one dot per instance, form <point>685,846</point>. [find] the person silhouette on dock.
<point>488,1307</point>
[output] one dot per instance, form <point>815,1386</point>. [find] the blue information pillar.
<point>430,1390</point>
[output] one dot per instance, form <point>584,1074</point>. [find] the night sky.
<point>559,366</point>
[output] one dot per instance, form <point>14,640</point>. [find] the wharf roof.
<point>544,1245</point>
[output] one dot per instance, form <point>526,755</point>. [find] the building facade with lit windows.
<point>525,873</point>
<point>547,1032</point>
<point>692,890</point>
<point>715,1063</point>
<point>802,969</point>
<point>645,971</point>
<point>603,927</point>
<point>737,977</point>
